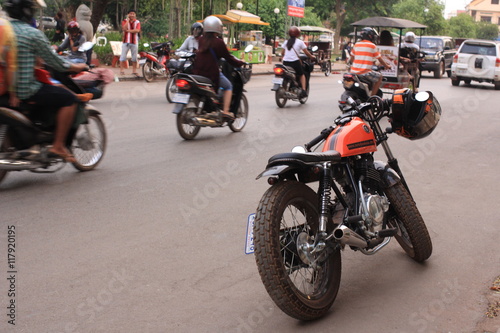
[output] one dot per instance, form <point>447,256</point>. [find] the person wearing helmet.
<point>8,64</point>
<point>291,49</point>
<point>409,41</point>
<point>73,42</point>
<point>211,49</point>
<point>191,42</point>
<point>47,97</point>
<point>364,54</point>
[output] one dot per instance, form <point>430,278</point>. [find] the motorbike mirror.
<point>248,48</point>
<point>146,44</point>
<point>299,149</point>
<point>422,96</point>
<point>86,46</point>
<point>315,48</point>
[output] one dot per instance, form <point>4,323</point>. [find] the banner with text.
<point>296,8</point>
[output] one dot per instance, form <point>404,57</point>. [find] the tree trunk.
<point>98,13</point>
<point>340,13</point>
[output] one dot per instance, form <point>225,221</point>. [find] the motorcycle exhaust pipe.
<point>18,165</point>
<point>348,237</point>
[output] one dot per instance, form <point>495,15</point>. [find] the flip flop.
<point>228,116</point>
<point>137,75</point>
<point>67,157</point>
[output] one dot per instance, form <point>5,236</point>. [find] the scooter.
<point>286,84</point>
<point>356,88</point>
<point>26,136</point>
<point>155,63</point>
<point>183,64</point>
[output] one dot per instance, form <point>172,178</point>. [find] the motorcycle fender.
<point>276,87</point>
<point>14,118</point>
<point>275,171</point>
<point>92,110</point>
<point>178,108</point>
<point>388,175</point>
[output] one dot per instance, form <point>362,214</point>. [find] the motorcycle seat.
<point>304,158</point>
<point>198,79</point>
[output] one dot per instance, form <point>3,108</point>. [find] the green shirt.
<point>32,43</point>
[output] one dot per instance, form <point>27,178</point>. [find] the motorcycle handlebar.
<point>324,134</point>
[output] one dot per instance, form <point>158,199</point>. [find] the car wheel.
<point>455,82</point>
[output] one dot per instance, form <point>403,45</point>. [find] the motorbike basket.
<point>246,74</point>
<point>414,117</point>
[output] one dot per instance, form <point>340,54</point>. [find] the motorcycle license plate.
<point>181,98</point>
<point>278,80</point>
<point>142,61</point>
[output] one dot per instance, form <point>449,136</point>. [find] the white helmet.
<point>409,37</point>
<point>212,24</point>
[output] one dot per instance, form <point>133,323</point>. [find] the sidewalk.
<point>257,69</point>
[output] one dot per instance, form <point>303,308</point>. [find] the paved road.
<point>153,240</point>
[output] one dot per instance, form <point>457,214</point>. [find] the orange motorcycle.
<point>360,202</point>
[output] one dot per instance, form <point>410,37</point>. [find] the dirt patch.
<point>490,323</point>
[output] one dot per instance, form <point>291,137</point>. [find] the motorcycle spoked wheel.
<point>186,130</point>
<point>412,234</point>
<point>328,68</point>
<point>302,291</point>
<point>171,88</point>
<point>89,144</point>
<point>241,116</point>
<point>4,148</point>
<point>147,71</point>
<point>280,94</point>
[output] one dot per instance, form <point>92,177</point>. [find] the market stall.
<point>239,38</point>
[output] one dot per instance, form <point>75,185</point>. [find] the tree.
<point>462,26</point>
<point>487,30</point>
<point>427,12</point>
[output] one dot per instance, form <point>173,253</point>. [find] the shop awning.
<point>240,16</point>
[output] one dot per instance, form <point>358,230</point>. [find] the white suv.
<point>477,60</point>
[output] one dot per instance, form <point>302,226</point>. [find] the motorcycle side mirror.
<point>422,96</point>
<point>145,44</point>
<point>248,48</point>
<point>299,149</point>
<point>85,47</point>
<point>315,48</point>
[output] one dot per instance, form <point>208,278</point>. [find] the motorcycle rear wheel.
<point>147,71</point>
<point>302,291</point>
<point>412,234</point>
<point>280,94</point>
<point>241,116</point>
<point>328,68</point>
<point>186,130</point>
<point>89,144</point>
<point>171,88</point>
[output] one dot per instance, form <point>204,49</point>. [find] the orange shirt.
<point>8,57</point>
<point>365,53</point>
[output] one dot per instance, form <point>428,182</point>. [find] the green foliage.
<point>487,30</point>
<point>103,53</point>
<point>462,26</point>
<point>427,12</point>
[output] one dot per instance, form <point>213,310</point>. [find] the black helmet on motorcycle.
<point>197,29</point>
<point>294,31</point>
<point>369,34</point>
<point>23,10</point>
<point>414,116</point>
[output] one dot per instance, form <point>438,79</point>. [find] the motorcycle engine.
<point>377,207</point>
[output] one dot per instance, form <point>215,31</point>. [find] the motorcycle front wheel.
<point>241,116</point>
<point>147,71</point>
<point>89,143</point>
<point>288,212</point>
<point>328,68</point>
<point>280,94</point>
<point>171,88</point>
<point>412,233</point>
<point>184,125</point>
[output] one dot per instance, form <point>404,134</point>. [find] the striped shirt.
<point>365,53</point>
<point>32,43</point>
<point>131,37</point>
<point>8,57</point>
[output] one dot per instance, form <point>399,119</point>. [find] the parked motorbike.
<point>357,88</point>
<point>26,136</point>
<point>286,84</point>
<point>155,63</point>
<point>184,64</point>
<point>359,202</point>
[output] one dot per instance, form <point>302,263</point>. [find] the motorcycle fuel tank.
<point>352,138</point>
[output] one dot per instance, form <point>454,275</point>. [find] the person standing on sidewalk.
<point>131,28</point>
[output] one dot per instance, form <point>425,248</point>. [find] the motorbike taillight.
<point>183,84</point>
<point>278,71</point>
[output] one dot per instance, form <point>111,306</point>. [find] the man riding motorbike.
<point>191,42</point>
<point>363,57</point>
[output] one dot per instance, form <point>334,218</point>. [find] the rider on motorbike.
<point>191,42</point>
<point>212,48</point>
<point>291,50</point>
<point>55,99</point>
<point>363,57</point>
<point>73,42</point>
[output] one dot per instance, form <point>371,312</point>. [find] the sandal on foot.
<point>137,75</point>
<point>228,116</point>
<point>67,157</point>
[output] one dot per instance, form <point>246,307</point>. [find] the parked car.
<point>439,52</point>
<point>477,60</point>
<point>47,22</point>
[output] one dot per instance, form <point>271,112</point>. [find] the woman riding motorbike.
<point>291,50</point>
<point>211,49</point>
